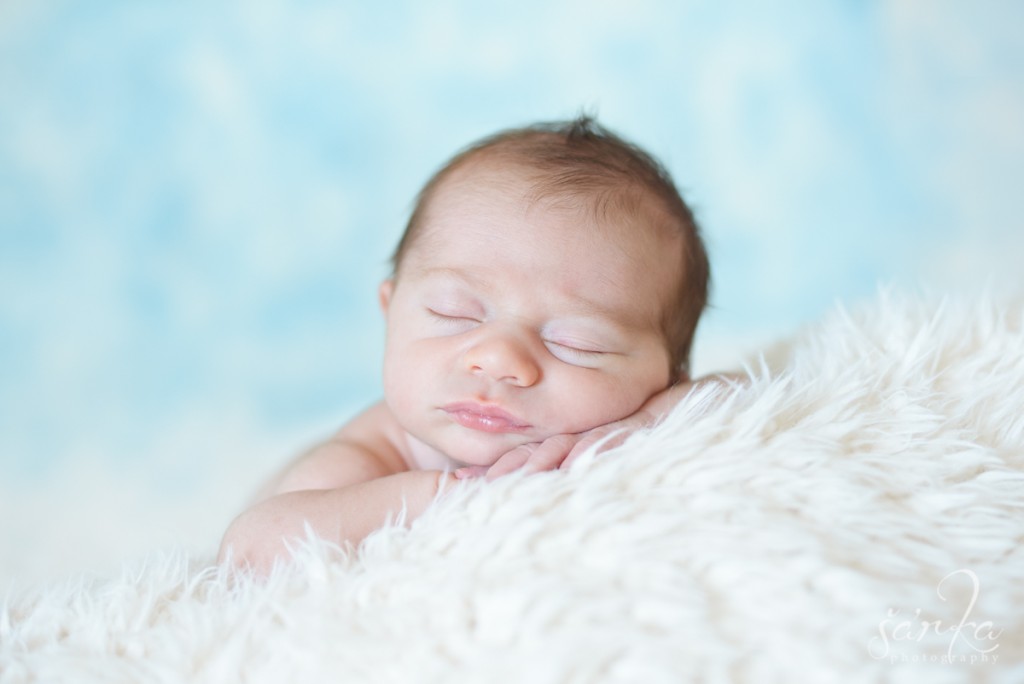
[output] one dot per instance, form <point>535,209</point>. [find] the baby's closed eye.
<point>454,310</point>
<point>576,352</point>
<point>451,314</point>
<point>453,320</point>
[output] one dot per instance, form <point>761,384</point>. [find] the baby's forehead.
<point>478,208</point>
<point>482,200</point>
<point>528,188</point>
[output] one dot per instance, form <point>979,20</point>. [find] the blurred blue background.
<point>197,201</point>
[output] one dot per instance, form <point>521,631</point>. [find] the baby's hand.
<point>559,451</point>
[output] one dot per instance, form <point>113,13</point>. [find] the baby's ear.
<point>384,294</point>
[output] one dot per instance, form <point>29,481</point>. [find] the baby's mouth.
<point>484,417</point>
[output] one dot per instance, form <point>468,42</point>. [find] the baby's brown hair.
<point>581,158</point>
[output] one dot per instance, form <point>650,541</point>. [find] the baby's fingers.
<point>550,454</point>
<point>467,472</point>
<point>510,460</point>
<point>608,439</point>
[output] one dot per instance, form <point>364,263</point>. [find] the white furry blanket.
<point>813,526</point>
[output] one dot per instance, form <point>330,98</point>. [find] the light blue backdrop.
<point>197,200</point>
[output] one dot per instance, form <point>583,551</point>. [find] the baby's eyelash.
<point>576,350</point>
<point>448,318</point>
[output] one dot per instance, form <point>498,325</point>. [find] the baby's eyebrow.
<point>599,310</point>
<point>452,273</point>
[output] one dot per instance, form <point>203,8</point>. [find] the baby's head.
<point>550,280</point>
<point>580,163</point>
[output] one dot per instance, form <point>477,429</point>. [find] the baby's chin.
<point>471,452</point>
<point>459,451</point>
<point>467,457</point>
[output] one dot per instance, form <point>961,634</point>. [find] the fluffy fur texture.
<point>811,525</point>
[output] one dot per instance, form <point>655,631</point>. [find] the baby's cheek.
<point>608,401</point>
<point>399,391</point>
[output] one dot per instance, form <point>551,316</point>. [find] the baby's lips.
<point>485,417</point>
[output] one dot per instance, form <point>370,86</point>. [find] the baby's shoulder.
<point>376,431</point>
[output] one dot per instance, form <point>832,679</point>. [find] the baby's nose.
<point>503,358</point>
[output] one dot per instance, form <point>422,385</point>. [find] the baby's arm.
<point>343,489</point>
<point>560,451</point>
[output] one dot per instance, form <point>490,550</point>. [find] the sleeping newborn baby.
<point>543,298</point>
